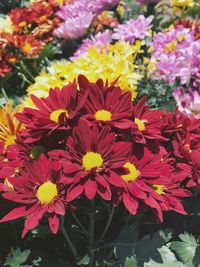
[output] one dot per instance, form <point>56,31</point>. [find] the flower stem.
<point>80,224</point>
<point>67,238</point>
<point>111,213</point>
<point>91,236</point>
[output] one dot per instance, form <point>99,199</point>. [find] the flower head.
<point>39,192</point>
<point>141,182</point>
<point>107,105</point>
<point>55,112</point>
<point>27,44</point>
<point>9,125</point>
<point>115,62</point>
<point>134,29</point>
<point>188,102</point>
<point>90,158</point>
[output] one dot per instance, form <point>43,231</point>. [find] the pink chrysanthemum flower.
<point>175,55</point>
<point>134,29</point>
<point>188,102</point>
<point>100,40</point>
<point>78,16</point>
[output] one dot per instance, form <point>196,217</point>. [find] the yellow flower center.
<point>133,173</point>
<point>159,188</point>
<point>10,140</point>
<point>103,115</point>
<point>92,160</point>
<point>140,124</point>
<point>54,116</point>
<point>22,24</point>
<point>171,46</point>
<point>27,48</point>
<point>181,38</point>
<point>47,192</point>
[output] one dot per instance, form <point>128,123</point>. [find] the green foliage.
<point>159,93</point>
<point>17,258</point>
<point>156,249</point>
<point>187,249</point>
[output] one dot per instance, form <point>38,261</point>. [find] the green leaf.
<point>131,262</point>
<point>125,243</point>
<point>167,259</point>
<point>187,249</point>
<point>147,247</point>
<point>17,257</point>
<point>84,261</point>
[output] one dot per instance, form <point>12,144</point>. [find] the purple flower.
<point>176,54</point>
<point>78,16</point>
<point>74,27</point>
<point>134,29</point>
<point>188,102</point>
<point>101,39</point>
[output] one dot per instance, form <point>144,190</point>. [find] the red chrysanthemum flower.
<point>4,68</point>
<point>135,180</point>
<point>179,123</point>
<point>147,123</point>
<point>21,17</point>
<point>149,182</point>
<point>191,169</point>
<point>194,25</point>
<point>28,45</point>
<point>107,105</point>
<point>169,186</point>
<point>58,111</point>
<point>183,147</point>
<point>90,159</point>
<point>39,192</point>
<point>41,11</point>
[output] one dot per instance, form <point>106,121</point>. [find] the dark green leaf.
<point>186,248</point>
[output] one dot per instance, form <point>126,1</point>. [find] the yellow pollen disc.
<point>103,115</point>
<point>27,48</point>
<point>22,24</point>
<point>10,140</point>
<point>159,188</point>
<point>54,116</point>
<point>171,46</point>
<point>47,192</point>
<point>92,160</point>
<point>140,124</point>
<point>133,173</point>
<point>181,38</point>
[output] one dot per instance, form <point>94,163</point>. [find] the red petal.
<point>75,192</point>
<point>90,189</point>
<point>54,223</point>
<point>130,203</point>
<point>14,214</point>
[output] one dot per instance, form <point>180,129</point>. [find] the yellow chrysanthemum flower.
<point>6,25</point>
<point>116,61</point>
<point>182,3</point>
<point>9,125</point>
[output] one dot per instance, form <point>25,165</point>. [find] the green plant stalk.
<point>80,224</point>
<point>111,213</point>
<point>91,236</point>
<point>67,238</point>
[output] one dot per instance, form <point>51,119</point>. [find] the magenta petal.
<point>54,223</point>
<point>75,192</point>
<point>90,189</point>
<point>14,214</point>
<point>130,204</point>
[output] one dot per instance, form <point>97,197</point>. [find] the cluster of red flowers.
<point>89,140</point>
<point>32,29</point>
